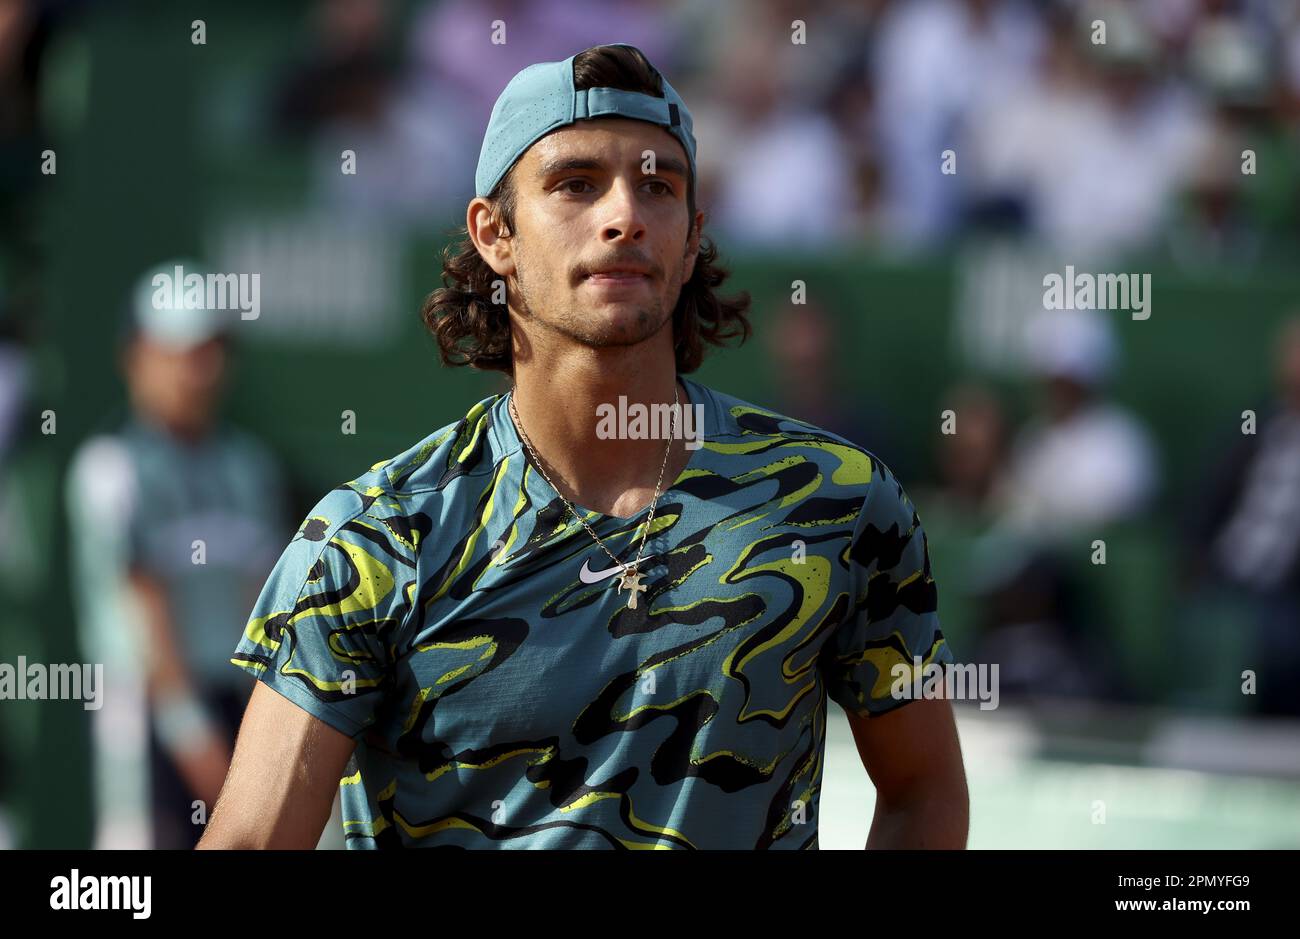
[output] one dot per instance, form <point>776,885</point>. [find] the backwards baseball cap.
<point>158,309</point>
<point>1076,344</point>
<point>541,98</point>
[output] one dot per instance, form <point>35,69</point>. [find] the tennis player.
<point>526,631</point>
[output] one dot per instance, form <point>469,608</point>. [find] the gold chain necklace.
<point>629,579</point>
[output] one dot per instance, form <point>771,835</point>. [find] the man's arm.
<point>282,778</point>
<point>195,744</point>
<point>913,757</point>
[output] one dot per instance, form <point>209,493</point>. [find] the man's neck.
<point>188,432</point>
<point>560,402</point>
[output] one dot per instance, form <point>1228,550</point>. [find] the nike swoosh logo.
<point>588,576</point>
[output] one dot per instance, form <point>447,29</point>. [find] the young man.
<point>524,632</point>
<point>139,494</point>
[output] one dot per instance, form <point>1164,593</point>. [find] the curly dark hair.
<point>473,330</point>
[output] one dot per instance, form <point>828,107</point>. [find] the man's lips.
<point>616,278</point>
<point>616,275</point>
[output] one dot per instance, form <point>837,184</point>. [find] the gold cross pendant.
<point>631,582</point>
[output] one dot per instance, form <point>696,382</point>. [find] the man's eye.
<point>573,182</point>
<point>667,190</point>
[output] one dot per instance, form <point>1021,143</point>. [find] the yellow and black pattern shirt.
<point>446,611</point>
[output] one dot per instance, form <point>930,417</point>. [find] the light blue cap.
<point>541,98</point>
<point>161,312</point>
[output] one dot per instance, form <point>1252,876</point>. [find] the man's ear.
<point>494,246</point>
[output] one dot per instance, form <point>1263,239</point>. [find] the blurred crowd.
<point>1093,140</point>
<point>904,125</point>
<point>1021,512</point>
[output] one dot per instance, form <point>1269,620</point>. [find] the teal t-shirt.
<point>204,519</point>
<point>439,610</point>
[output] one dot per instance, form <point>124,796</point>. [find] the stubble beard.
<point>579,327</point>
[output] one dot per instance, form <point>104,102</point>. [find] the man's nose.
<point>624,220</point>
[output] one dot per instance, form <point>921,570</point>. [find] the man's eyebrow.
<point>670,165</point>
<point>568,164</point>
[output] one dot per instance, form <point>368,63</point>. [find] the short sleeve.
<point>893,604</point>
<point>322,630</point>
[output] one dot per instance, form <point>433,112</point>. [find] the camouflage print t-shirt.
<point>446,611</point>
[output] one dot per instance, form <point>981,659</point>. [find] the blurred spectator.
<point>1015,144</point>
<point>1247,530</point>
<point>1093,152</point>
<point>777,169</point>
<point>937,63</point>
<point>1084,461</point>
<point>972,459</point>
<point>175,519</point>
<point>801,341</point>
<point>1080,465</point>
<point>850,103</point>
<point>1033,619</point>
<point>1014,599</point>
<point>345,74</point>
<point>1232,211</point>
<point>408,159</point>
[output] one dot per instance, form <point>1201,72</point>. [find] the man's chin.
<point>611,326</point>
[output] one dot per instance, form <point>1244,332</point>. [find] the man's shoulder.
<point>102,480</point>
<point>743,427</point>
<point>243,444</point>
<point>396,498</point>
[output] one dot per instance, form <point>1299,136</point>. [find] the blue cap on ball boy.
<point>541,98</point>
